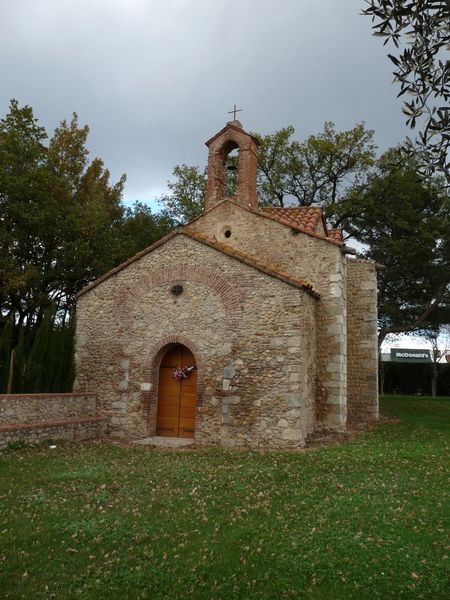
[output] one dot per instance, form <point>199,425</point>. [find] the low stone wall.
<point>70,430</point>
<point>33,418</point>
<point>28,408</point>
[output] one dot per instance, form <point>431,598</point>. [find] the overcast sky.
<point>154,79</point>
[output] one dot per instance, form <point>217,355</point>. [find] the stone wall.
<point>252,337</point>
<point>33,418</point>
<point>73,431</point>
<point>362,341</point>
<point>29,408</point>
<point>309,257</point>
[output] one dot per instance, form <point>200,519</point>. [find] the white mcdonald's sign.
<point>410,355</point>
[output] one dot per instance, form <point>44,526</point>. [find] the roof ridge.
<point>228,250</point>
<point>319,208</point>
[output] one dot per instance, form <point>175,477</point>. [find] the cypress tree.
<point>67,374</point>
<point>41,361</point>
<point>19,362</point>
<point>5,352</point>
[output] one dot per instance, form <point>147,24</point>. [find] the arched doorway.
<point>177,393</point>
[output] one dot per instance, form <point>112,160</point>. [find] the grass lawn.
<point>368,519</point>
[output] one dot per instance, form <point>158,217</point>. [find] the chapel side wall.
<point>309,355</point>
<point>362,340</point>
<point>271,384</point>
<point>252,359</point>
<point>319,262</point>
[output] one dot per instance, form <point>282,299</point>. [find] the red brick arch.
<point>229,294</point>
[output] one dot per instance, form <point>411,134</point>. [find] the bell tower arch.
<point>232,167</point>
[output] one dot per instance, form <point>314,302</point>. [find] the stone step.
<point>165,442</point>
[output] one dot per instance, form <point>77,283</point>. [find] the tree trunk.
<point>434,378</point>
<point>381,375</point>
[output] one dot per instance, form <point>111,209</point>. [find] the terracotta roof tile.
<point>303,218</point>
<point>336,235</point>
<point>306,217</point>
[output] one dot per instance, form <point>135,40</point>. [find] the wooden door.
<point>176,398</point>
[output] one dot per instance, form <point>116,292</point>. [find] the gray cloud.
<point>154,79</point>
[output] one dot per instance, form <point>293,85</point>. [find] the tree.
<point>438,337</point>
<point>5,352</point>
<point>322,170</point>
<point>24,185</point>
<point>88,244</point>
<point>141,228</point>
<point>404,225</point>
<point>436,355</point>
<point>57,216</point>
<point>62,224</point>
<point>422,68</point>
<point>42,358</point>
<point>186,200</point>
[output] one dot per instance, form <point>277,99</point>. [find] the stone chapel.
<point>248,327</point>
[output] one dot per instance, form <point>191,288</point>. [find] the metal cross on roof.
<point>234,111</point>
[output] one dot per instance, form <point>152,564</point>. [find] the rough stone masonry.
<point>281,323</point>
